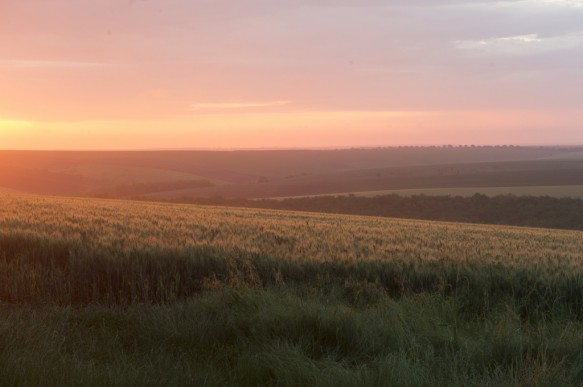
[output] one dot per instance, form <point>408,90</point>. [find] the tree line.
<point>529,211</point>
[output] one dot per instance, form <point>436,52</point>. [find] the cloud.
<point>521,44</point>
<point>556,3</point>
<point>57,64</point>
<point>236,105</point>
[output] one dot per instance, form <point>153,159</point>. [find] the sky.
<point>224,74</point>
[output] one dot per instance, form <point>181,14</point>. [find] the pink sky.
<point>113,74</point>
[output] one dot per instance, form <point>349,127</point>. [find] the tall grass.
<point>236,336</point>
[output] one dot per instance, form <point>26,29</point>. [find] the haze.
<point>111,74</point>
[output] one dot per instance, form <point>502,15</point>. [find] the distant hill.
<point>171,174</point>
<point>512,210</point>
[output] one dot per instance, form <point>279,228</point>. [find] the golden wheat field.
<point>123,226</point>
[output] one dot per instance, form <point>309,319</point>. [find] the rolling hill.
<point>173,174</point>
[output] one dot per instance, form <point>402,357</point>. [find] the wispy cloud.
<point>235,105</point>
<point>40,64</point>
<point>559,3</point>
<point>521,44</point>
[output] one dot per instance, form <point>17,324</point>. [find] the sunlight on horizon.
<point>6,125</point>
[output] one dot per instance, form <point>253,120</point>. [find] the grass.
<point>235,336</point>
<point>120,293</point>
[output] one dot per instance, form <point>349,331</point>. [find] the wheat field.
<point>280,242</point>
<point>257,297</point>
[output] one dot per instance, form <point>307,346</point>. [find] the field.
<point>103,292</point>
<point>8,190</point>
<point>168,175</point>
<point>398,177</point>
<point>561,191</point>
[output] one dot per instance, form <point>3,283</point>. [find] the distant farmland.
<point>563,191</point>
<point>260,174</point>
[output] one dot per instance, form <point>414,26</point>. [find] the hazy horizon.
<point>176,74</point>
<point>321,148</point>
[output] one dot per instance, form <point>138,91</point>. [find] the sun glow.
<point>302,128</point>
<point>6,124</point>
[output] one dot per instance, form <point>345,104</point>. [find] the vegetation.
<point>135,189</point>
<point>530,211</point>
<point>392,177</point>
<point>555,191</point>
<point>253,174</point>
<point>97,292</point>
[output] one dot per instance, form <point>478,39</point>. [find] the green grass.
<point>115,293</point>
<point>281,336</point>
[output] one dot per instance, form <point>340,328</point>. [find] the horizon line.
<point>323,148</point>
